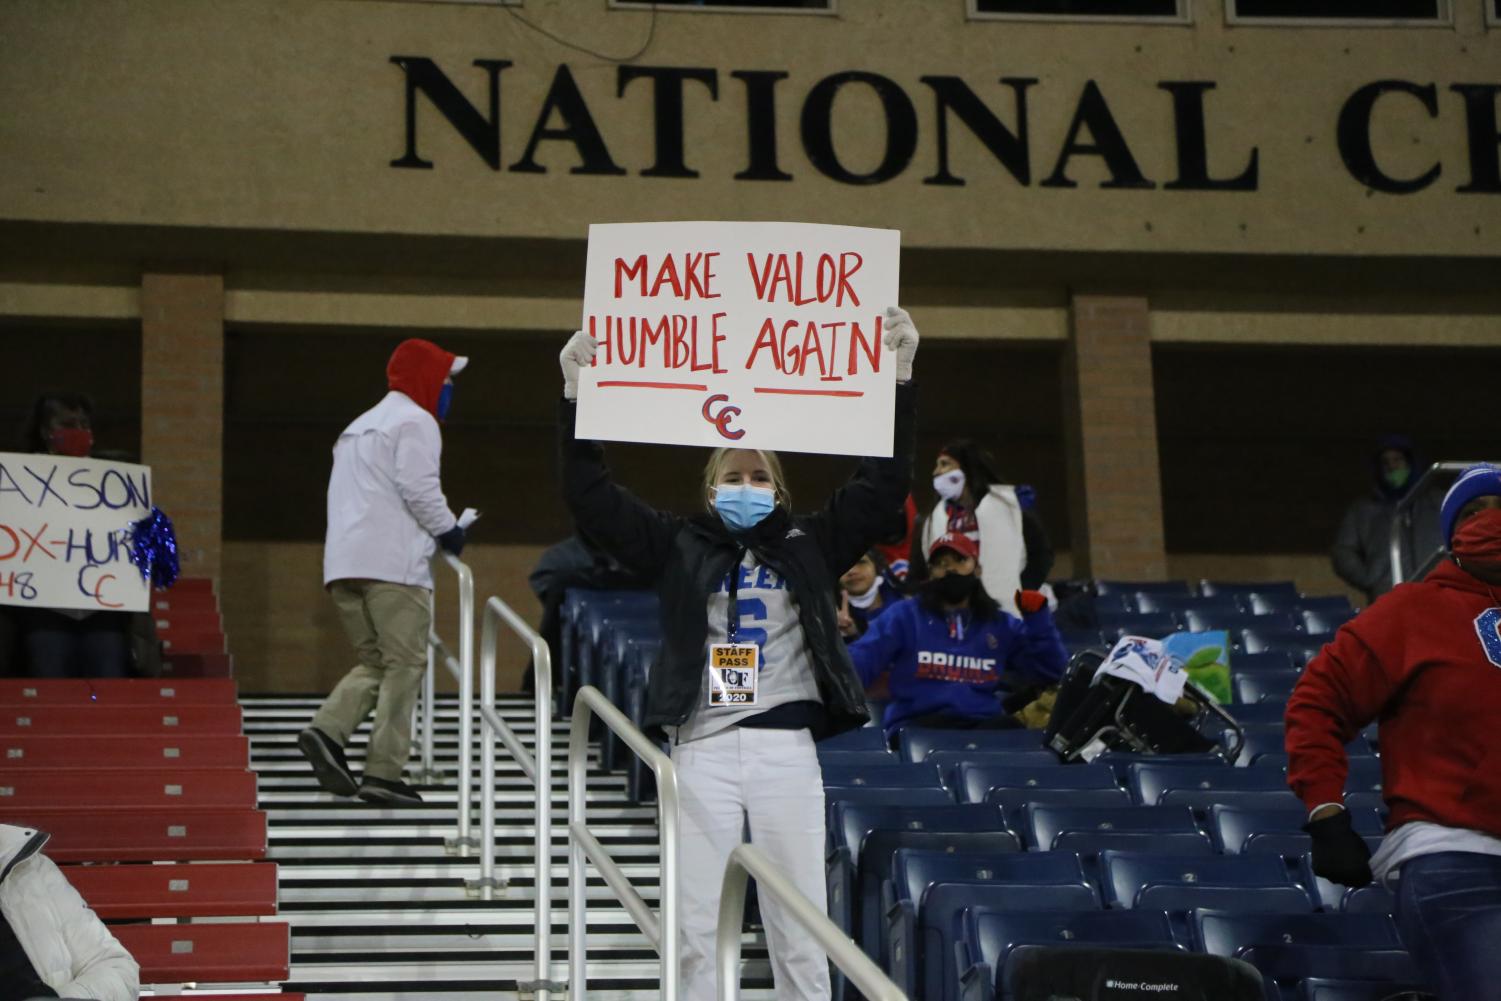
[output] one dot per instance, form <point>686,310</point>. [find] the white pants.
<point>772,779</point>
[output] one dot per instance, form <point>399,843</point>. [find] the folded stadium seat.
<point>1264,746</point>
<point>1329,604</point>
<point>948,762</point>
<point>197,665</point>
<point>222,751</point>
<point>1138,880</point>
<point>94,789</point>
<point>1104,587</point>
<point>1364,774</point>
<point>1248,591</point>
<point>1153,625</point>
<point>1120,762</point>
<point>986,939</point>
<point>1287,948</point>
<point>1266,660</point>
<point>876,758</point>
<point>1149,782</point>
<point>1114,601</point>
<point>865,738</point>
<point>575,602</point>
<point>917,742</point>
<point>141,835</point>
<point>1326,989</point>
<point>1269,711</point>
<point>228,889</point>
<point>1241,831</point>
<point>237,952</point>
<point>107,721</point>
<point>974,780</point>
<point>1373,898</point>
<point>1092,829</point>
<point>1259,686</point>
<point>595,625</point>
<point>621,648</point>
<point>1011,801</point>
<point>934,795</point>
<point>1324,622</point>
<point>1302,646</point>
<point>1075,640</point>
<point>1203,621</point>
<point>1180,604</point>
<point>117,692</point>
<point>852,827</point>
<point>929,889</point>
<point>1367,801</point>
<point>903,775</point>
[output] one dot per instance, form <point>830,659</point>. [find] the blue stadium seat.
<point>1270,711</point>
<point>948,762</point>
<point>1127,877</point>
<point>1113,601</point>
<point>1246,591</point>
<point>987,938</point>
<point>1153,625</point>
<point>1372,898</point>
<point>1120,762</point>
<point>917,742</point>
<point>1330,604</point>
<point>1011,801</point>
<point>879,758</point>
<point>1200,800</point>
<point>1300,645</point>
<point>1149,781</point>
<point>1203,621</point>
<point>1284,968</point>
<point>865,738</point>
<point>976,779</point>
<point>1315,621</point>
<point>1259,685</point>
<point>1266,660</point>
<point>1222,934</point>
<point>1364,774</point>
<point>1047,826</point>
<point>930,888</point>
<point>903,775</point>
<point>1367,801</point>
<point>1325,989</point>
<point>896,796</point>
<point>1142,586</point>
<point>1241,831</point>
<point>1261,739</point>
<point>1178,604</point>
<point>1075,640</point>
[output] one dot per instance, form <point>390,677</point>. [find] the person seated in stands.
<point>51,944</point>
<point>1425,660</point>
<point>76,643</point>
<point>952,652</point>
<point>386,518</point>
<point>573,563</point>
<point>1362,555</point>
<point>866,591</point>
<point>999,519</point>
<point>896,551</point>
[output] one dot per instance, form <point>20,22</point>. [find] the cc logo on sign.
<point>721,420</point>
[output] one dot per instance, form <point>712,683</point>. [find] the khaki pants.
<point>388,625</point>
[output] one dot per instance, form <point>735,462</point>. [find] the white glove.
<point>578,354</point>
<point>901,337</point>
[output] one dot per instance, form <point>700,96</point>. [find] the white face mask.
<point>949,485</point>
<point>868,598</point>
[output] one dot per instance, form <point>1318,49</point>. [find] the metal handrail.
<point>748,860</point>
<point>462,668</point>
<point>583,847</point>
<point>536,767</point>
<point>1402,517</point>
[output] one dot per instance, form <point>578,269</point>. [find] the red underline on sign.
<point>653,385</point>
<point>843,393</point>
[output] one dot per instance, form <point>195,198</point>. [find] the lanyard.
<point>732,626</point>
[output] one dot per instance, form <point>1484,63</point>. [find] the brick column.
<point>182,409</point>
<point>1110,419</point>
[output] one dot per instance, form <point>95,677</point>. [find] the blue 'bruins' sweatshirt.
<point>952,664</point>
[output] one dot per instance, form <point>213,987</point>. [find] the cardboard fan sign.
<point>747,335</point>
<point>63,532</point>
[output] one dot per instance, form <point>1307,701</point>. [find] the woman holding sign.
<point>752,668</point>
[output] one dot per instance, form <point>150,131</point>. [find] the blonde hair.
<point>715,466</point>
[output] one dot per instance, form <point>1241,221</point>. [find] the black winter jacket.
<point>687,558</point>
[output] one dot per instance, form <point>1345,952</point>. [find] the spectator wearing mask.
<point>866,592</point>
<point>51,944</point>
<point>1362,553</point>
<point>1424,660</point>
<point>66,642</point>
<point>952,653</point>
<point>752,669</point>
<point>973,502</point>
<point>386,518</point>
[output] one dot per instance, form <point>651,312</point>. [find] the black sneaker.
<point>385,791</point>
<point>327,759</point>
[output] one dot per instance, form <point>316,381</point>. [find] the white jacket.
<point>67,944</point>
<point>385,499</point>
<point>1003,553</point>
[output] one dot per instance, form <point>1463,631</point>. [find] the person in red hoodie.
<point>1424,660</point>
<point>386,518</point>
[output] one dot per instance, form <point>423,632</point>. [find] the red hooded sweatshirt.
<point>1425,660</point>
<point>418,368</point>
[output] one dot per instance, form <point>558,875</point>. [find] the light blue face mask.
<point>742,506</point>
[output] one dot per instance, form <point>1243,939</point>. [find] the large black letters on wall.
<point>1193,143</point>
<point>1354,136</point>
<point>482,134</point>
<point>1093,113</point>
<point>818,128</point>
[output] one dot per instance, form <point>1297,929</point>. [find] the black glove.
<point>1339,854</point>
<point>452,540</point>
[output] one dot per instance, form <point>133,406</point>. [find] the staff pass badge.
<point>733,670</point>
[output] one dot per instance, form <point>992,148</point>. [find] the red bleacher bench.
<point>116,691</point>
<point>181,751</point>
<point>197,665</point>
<point>184,601</point>
<point>100,789</point>
<point>106,721</point>
<point>198,620</point>
<point>146,835</point>
<point>189,890</point>
<point>191,641</point>
<point>237,952</point>
<point>192,585</point>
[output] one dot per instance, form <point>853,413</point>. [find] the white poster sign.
<point>742,334</point>
<point>63,527</point>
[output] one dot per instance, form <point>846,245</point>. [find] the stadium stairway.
<point>378,906</point>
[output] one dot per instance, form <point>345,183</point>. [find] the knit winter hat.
<point>1482,480</point>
